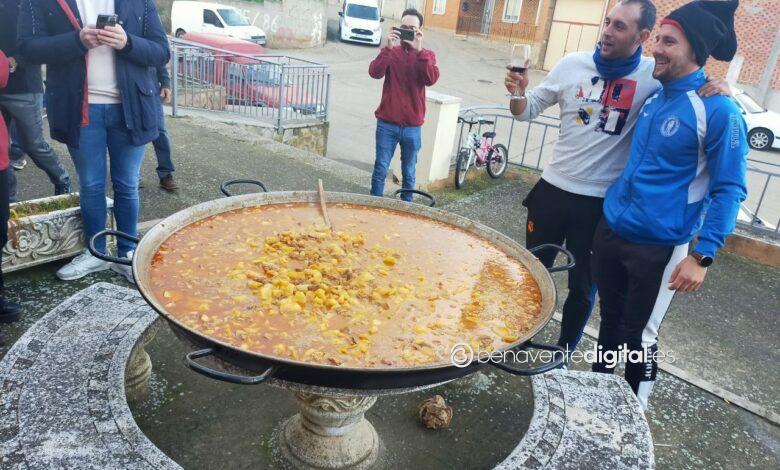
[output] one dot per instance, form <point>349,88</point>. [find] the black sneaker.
<point>9,311</point>
<point>63,188</point>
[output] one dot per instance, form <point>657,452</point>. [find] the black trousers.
<point>632,281</point>
<point>4,215</point>
<point>560,217</point>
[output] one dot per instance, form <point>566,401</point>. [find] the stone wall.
<point>312,137</point>
<point>213,98</point>
<point>288,24</point>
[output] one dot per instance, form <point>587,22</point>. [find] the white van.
<point>360,22</point>
<point>201,17</point>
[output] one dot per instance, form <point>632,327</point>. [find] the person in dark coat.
<point>21,104</point>
<point>101,98</point>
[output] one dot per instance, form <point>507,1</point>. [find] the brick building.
<point>757,23</point>
<point>516,21</point>
<point>557,27</point>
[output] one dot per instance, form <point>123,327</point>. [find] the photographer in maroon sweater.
<point>407,69</point>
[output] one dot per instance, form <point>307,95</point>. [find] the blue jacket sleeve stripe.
<point>698,187</point>
<point>726,147</point>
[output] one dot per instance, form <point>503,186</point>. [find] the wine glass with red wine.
<point>520,59</point>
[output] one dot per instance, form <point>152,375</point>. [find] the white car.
<point>763,125</point>
<point>360,22</point>
<point>214,18</point>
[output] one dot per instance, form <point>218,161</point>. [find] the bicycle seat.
<point>489,135</point>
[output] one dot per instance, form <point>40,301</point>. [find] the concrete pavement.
<point>726,333</point>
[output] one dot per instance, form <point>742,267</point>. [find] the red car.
<point>248,81</point>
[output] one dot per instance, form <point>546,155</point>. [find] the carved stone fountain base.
<point>139,367</point>
<point>330,432</point>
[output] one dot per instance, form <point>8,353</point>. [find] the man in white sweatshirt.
<point>599,94</point>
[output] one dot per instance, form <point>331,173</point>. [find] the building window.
<point>439,6</point>
<point>512,10</point>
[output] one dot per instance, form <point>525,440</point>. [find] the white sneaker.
<point>82,265</point>
<point>19,164</point>
<point>126,271</point>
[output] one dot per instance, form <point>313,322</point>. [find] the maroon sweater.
<point>406,73</point>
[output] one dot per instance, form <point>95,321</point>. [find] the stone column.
<point>139,366</point>
<point>439,133</point>
<point>330,433</point>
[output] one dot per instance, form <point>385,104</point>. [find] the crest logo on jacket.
<point>669,126</point>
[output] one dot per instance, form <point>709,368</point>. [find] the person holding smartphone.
<point>102,100</point>
<point>407,69</point>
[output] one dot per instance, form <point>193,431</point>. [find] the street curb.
<point>761,251</point>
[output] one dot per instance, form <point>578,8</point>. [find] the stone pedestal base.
<point>330,433</point>
<point>139,367</point>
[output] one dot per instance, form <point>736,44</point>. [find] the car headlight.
<point>377,29</point>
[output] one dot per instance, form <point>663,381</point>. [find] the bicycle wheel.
<point>497,161</point>
<point>461,167</point>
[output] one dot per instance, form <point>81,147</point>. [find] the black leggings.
<point>557,216</point>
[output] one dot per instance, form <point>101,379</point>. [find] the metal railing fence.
<point>530,144</point>
<point>279,90</point>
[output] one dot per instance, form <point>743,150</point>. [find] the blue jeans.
<point>107,130</point>
<point>15,152</point>
<point>388,135</point>
<point>24,112</point>
<point>162,146</point>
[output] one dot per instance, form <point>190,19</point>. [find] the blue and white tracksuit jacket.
<point>686,170</point>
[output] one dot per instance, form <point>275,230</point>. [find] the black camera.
<point>405,34</point>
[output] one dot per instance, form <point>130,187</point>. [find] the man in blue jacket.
<point>101,99</point>
<point>685,175</point>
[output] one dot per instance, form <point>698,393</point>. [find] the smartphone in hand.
<point>105,20</point>
<point>405,34</point>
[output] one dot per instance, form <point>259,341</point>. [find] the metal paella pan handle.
<point>223,187</point>
<point>570,261</point>
<point>109,258</point>
<point>417,191</point>
<point>558,358</point>
<point>190,358</point>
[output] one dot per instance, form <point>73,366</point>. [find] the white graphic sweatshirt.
<point>597,121</point>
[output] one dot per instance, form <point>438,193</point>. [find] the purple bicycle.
<point>480,152</point>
